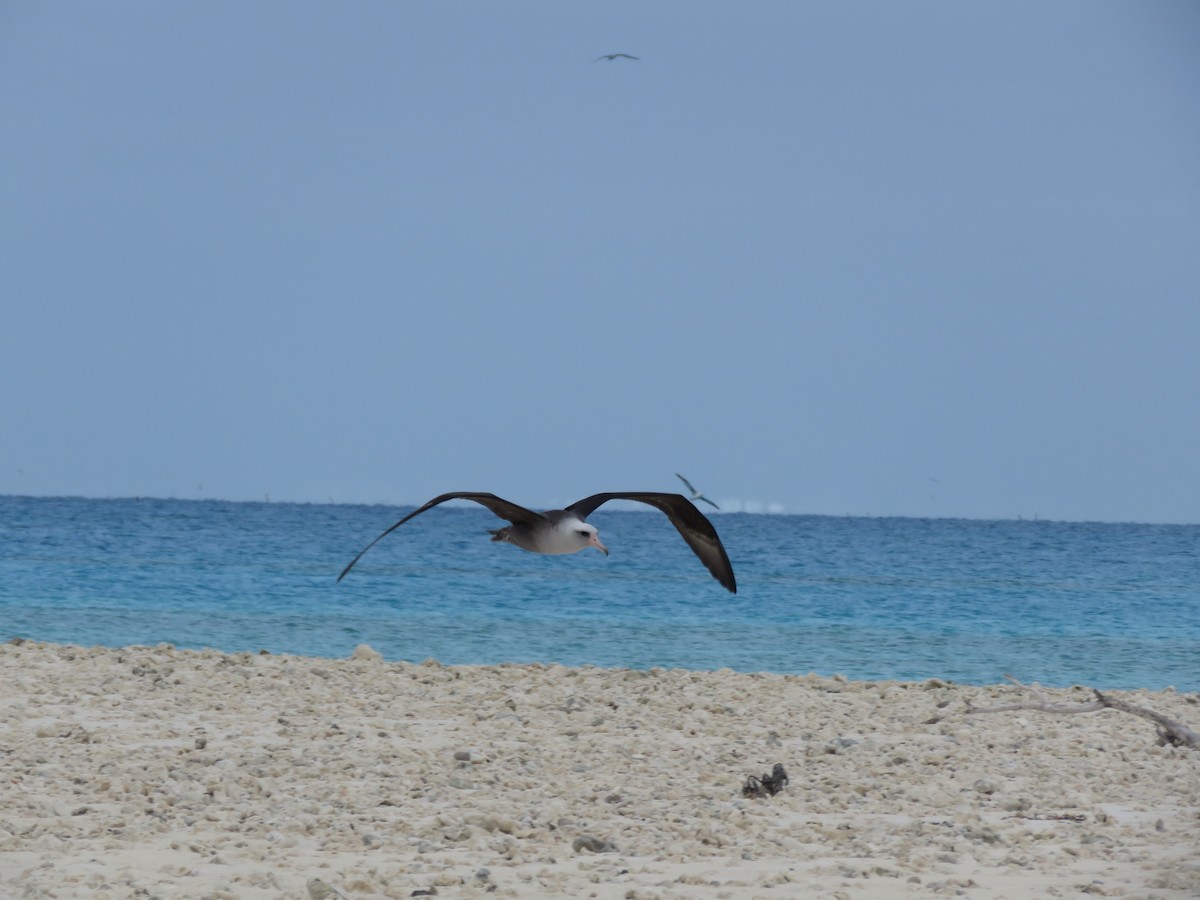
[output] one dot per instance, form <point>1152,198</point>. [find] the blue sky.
<point>925,259</point>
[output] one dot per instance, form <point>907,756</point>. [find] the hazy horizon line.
<point>776,509</point>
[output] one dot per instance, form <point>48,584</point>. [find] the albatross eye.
<point>586,534</point>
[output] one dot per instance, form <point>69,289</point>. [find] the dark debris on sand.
<point>768,785</point>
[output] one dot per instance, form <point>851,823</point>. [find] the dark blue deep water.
<point>1104,605</point>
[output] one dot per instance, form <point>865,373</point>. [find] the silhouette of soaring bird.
<point>696,495</point>
<point>611,56</point>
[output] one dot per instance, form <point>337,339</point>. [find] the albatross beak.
<point>595,542</point>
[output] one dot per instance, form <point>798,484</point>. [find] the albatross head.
<point>576,534</point>
<point>590,537</point>
<point>567,534</point>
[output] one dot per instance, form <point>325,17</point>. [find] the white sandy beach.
<point>157,772</point>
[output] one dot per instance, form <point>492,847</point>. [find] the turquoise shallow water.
<point>1105,605</point>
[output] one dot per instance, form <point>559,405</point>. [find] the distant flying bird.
<point>565,531</point>
<point>611,56</point>
<point>696,495</point>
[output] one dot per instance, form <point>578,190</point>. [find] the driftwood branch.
<point>1169,731</point>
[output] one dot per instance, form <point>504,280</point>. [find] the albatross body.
<point>559,531</point>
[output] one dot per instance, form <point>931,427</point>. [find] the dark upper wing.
<point>690,522</point>
<point>706,500</point>
<point>500,507</point>
<point>686,483</point>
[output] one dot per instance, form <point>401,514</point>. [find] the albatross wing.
<point>688,521</point>
<point>687,484</point>
<point>501,507</point>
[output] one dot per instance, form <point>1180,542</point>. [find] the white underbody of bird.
<point>569,534</point>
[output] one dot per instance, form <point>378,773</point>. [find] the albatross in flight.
<point>696,495</point>
<point>565,531</point>
<point>611,56</point>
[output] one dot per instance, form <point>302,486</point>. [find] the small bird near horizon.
<point>558,531</point>
<point>696,495</point>
<point>611,56</point>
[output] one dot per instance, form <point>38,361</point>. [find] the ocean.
<point>1102,605</point>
